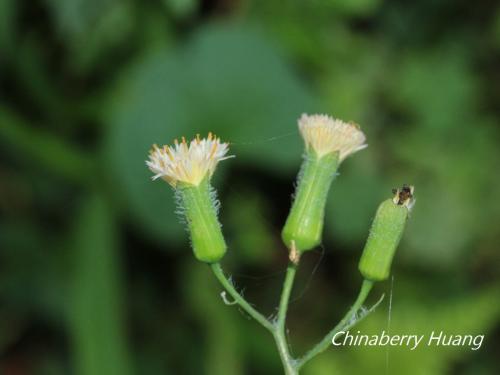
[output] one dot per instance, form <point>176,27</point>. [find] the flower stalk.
<point>238,298</point>
<point>343,324</point>
<point>188,168</point>
<point>280,326</point>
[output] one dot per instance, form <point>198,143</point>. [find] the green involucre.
<point>198,205</point>
<point>385,234</point>
<point>304,224</point>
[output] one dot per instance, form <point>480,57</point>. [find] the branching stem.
<point>228,285</point>
<point>278,327</point>
<point>348,318</point>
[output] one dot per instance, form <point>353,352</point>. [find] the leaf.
<point>91,28</point>
<point>436,87</point>
<point>354,7</point>
<point>221,324</point>
<point>8,13</point>
<point>43,148</point>
<point>96,311</point>
<point>356,193</point>
<point>181,8</point>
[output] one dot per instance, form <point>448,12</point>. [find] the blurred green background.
<point>96,274</point>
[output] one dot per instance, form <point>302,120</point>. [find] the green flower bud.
<point>188,169</point>
<point>199,206</point>
<point>304,224</point>
<point>385,234</point>
<point>327,142</point>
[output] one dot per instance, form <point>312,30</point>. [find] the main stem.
<point>280,326</point>
<point>277,328</point>
<point>343,324</point>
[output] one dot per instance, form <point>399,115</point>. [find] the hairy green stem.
<point>217,270</point>
<point>344,323</point>
<point>280,328</point>
<point>285,296</point>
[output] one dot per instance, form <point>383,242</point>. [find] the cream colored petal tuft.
<point>325,135</point>
<point>187,163</point>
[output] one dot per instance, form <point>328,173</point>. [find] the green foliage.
<point>468,313</point>
<point>91,28</point>
<point>181,8</point>
<point>248,209</point>
<point>223,338</point>
<point>351,8</point>
<point>8,11</point>
<point>87,86</point>
<point>96,316</point>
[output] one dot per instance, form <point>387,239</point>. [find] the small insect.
<point>403,196</point>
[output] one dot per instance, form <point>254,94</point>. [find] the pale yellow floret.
<point>187,163</point>
<point>325,135</point>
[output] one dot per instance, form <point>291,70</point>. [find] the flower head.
<point>325,135</point>
<point>187,163</point>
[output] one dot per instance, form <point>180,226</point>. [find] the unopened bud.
<point>385,234</point>
<point>199,206</point>
<point>305,221</point>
